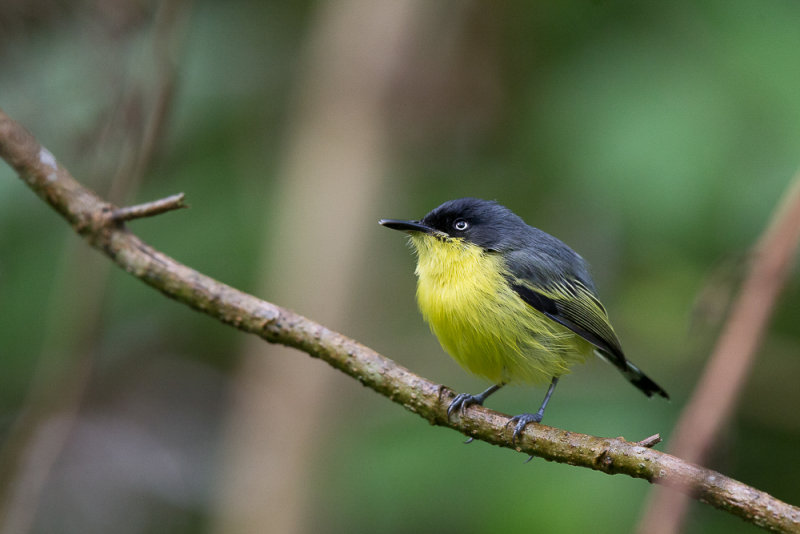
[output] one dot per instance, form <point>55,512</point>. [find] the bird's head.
<point>484,223</point>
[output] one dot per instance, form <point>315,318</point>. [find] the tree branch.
<point>92,217</point>
<point>717,391</point>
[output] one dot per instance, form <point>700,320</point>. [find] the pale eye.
<point>460,225</point>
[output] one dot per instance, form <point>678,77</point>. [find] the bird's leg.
<point>522,420</point>
<point>465,400</point>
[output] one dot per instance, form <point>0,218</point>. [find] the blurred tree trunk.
<point>123,147</point>
<point>335,158</point>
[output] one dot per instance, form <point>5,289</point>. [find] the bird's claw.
<point>520,422</point>
<point>462,402</point>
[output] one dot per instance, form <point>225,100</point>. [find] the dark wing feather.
<point>574,306</point>
<point>552,278</point>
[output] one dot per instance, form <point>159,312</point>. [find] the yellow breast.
<point>463,294</point>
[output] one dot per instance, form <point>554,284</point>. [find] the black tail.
<point>642,381</point>
<point>634,375</point>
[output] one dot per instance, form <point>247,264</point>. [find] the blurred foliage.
<point>654,138</point>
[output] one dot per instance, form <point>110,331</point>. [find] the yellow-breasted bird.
<point>509,302</point>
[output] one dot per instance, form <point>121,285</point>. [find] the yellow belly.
<point>480,320</point>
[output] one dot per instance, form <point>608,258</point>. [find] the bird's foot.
<point>464,401</point>
<point>521,421</point>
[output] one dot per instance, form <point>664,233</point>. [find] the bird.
<point>509,302</point>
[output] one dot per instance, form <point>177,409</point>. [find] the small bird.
<point>509,302</point>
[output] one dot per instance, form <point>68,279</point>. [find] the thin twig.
<point>149,209</point>
<point>650,442</point>
<point>83,209</point>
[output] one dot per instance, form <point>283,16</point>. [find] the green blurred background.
<point>654,138</point>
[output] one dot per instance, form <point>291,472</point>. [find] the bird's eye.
<point>460,225</point>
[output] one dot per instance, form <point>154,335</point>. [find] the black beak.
<point>407,226</point>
